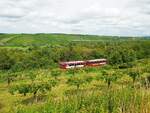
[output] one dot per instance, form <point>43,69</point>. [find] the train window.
<point>71,64</point>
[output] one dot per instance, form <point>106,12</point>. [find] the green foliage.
<point>121,101</point>
<point>109,76</point>
<point>119,55</point>
<point>28,60</point>
<point>34,88</point>
<point>88,79</point>
<point>10,76</point>
<point>145,79</point>
<point>72,72</point>
<point>21,89</point>
<point>6,62</point>
<point>44,51</point>
<point>32,75</point>
<point>120,97</point>
<point>76,81</point>
<point>55,73</point>
<point>134,73</point>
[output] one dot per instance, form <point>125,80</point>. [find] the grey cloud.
<point>10,16</point>
<point>125,17</point>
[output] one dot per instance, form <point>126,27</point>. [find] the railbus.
<point>79,64</point>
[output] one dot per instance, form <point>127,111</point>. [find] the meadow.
<point>32,82</point>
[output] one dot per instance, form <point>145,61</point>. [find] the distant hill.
<point>146,37</point>
<point>45,39</point>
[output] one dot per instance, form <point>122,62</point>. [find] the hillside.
<point>31,80</point>
<point>18,40</point>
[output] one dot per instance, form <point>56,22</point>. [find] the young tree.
<point>76,81</point>
<point>145,79</point>
<point>109,76</point>
<point>24,89</point>
<point>21,89</point>
<point>42,87</point>
<point>124,80</point>
<point>6,62</point>
<point>32,75</point>
<point>133,74</point>
<point>10,76</point>
<point>55,73</point>
<point>34,88</point>
<point>120,54</point>
<point>88,79</point>
<point>72,72</point>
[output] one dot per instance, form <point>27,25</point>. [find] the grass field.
<point>92,97</point>
<point>46,39</point>
<point>118,88</point>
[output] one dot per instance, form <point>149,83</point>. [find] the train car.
<point>79,64</point>
<point>96,62</point>
<point>72,64</point>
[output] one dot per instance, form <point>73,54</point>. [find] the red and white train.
<point>79,64</point>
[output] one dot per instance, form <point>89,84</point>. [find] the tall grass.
<point>127,100</point>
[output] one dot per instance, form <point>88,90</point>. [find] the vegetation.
<point>31,81</point>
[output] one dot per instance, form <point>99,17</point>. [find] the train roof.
<point>76,62</point>
<point>72,62</point>
<point>103,59</point>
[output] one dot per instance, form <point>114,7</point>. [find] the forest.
<point>32,82</point>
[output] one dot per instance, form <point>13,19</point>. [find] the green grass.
<point>46,39</point>
<point>93,97</point>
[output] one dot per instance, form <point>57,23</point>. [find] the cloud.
<point>102,17</point>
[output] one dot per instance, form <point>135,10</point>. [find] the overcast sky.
<point>101,17</point>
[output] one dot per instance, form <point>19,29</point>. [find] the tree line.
<point>117,53</point>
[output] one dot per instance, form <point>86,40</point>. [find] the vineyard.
<point>32,82</point>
